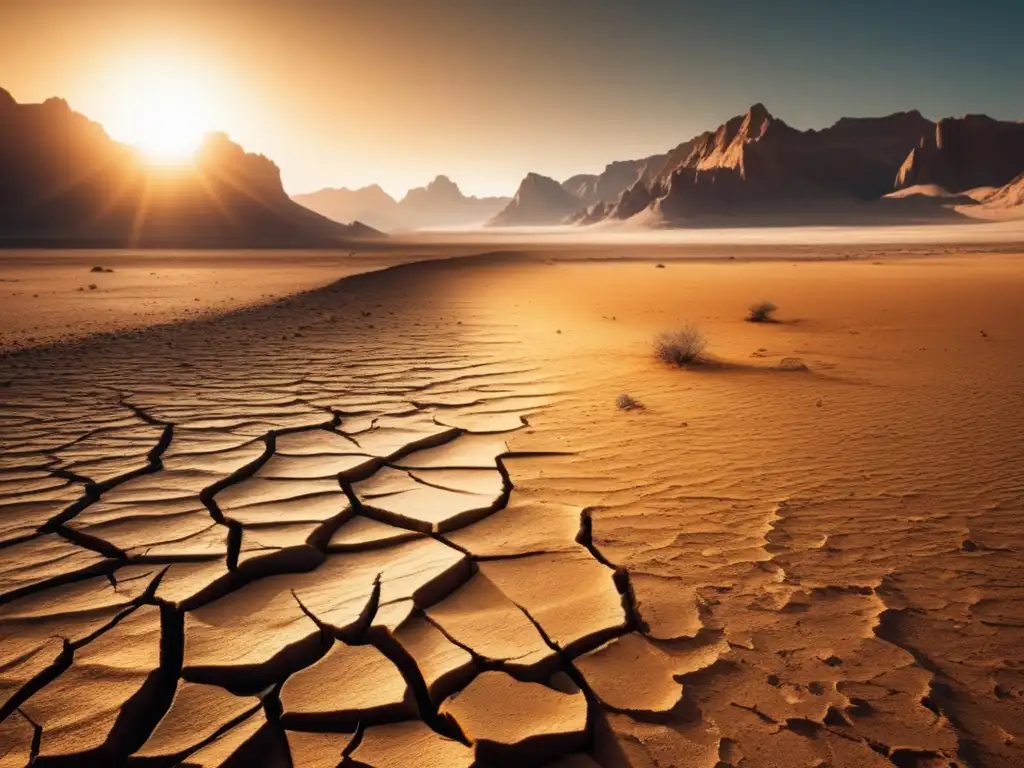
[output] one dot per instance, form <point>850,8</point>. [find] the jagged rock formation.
<point>755,162</point>
<point>964,153</point>
<point>439,204</point>
<point>64,181</point>
<point>591,199</point>
<point>636,199</point>
<point>591,214</point>
<point>616,178</point>
<point>539,201</point>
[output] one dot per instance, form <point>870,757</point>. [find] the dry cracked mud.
<point>297,536</point>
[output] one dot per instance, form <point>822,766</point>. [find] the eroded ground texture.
<point>375,526</point>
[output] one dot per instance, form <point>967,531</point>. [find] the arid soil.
<point>51,296</point>
<point>398,520</point>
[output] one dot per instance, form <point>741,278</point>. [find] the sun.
<point>162,112</point>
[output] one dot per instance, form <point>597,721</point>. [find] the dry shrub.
<point>626,403</point>
<point>761,312</point>
<point>680,347</point>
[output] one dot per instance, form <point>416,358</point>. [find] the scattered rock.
<point>792,364</point>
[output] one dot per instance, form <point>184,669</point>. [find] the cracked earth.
<point>350,529</point>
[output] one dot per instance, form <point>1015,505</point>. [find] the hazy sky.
<point>352,92</point>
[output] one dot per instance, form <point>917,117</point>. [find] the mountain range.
<point>440,204</point>
<point>755,165</point>
<point>64,181</point>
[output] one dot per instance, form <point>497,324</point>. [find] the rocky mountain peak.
<point>443,185</point>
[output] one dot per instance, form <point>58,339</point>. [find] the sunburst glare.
<point>163,111</point>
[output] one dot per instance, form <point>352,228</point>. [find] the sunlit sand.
<point>511,385</point>
<point>402,509</point>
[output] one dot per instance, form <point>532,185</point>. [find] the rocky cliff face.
<point>964,153</point>
<point>591,214</point>
<point>539,201</point>
<point>635,199</point>
<point>616,178</point>
<point>62,179</point>
<point>757,163</point>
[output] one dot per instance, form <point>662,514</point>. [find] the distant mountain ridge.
<point>440,204</point>
<point>63,180</point>
<point>756,164</point>
<point>370,205</point>
<point>538,201</point>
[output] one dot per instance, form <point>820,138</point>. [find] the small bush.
<point>761,312</point>
<point>96,269</point>
<point>92,286</point>
<point>680,347</point>
<point>626,403</point>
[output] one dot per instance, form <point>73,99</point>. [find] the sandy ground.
<point>49,296</point>
<point>54,296</point>
<point>405,511</point>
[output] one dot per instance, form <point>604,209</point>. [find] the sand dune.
<point>1006,202</point>
<point>398,520</point>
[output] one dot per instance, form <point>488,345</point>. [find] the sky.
<point>395,92</point>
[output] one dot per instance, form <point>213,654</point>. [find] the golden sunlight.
<point>162,112</point>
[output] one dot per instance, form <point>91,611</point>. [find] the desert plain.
<point>383,508</point>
